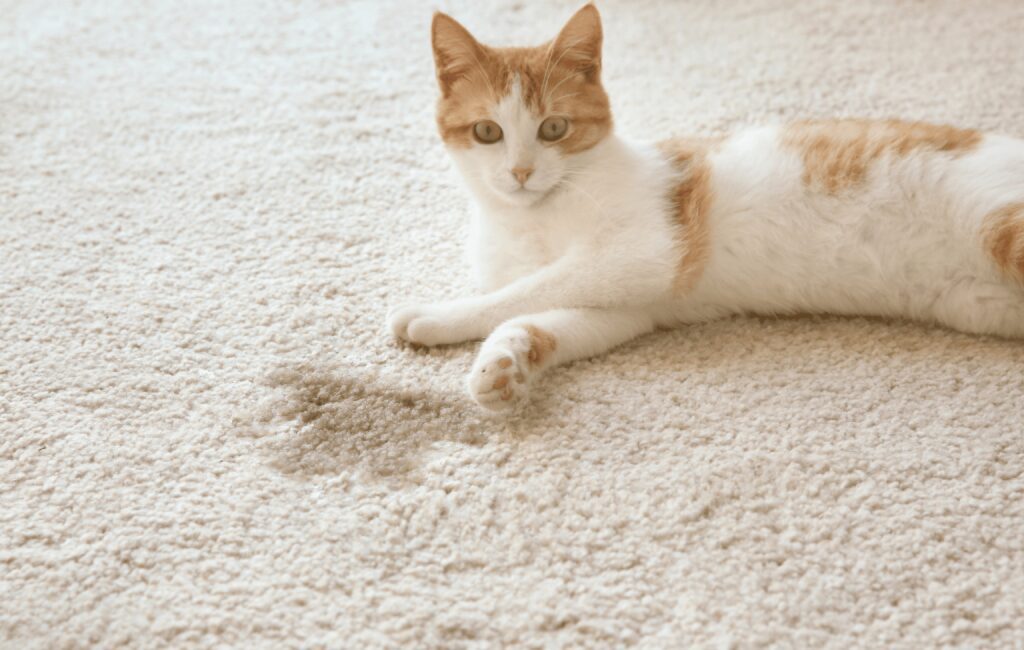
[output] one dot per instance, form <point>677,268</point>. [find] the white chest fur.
<point>612,214</point>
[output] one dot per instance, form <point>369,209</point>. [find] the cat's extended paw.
<point>431,324</point>
<point>497,381</point>
<point>501,374</point>
<point>417,323</point>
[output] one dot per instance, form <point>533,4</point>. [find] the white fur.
<point>589,250</point>
<point>490,165</point>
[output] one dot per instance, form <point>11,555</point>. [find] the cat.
<point>583,240</point>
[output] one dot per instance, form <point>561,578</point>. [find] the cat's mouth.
<point>522,196</point>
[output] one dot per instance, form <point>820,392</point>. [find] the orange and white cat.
<point>583,240</point>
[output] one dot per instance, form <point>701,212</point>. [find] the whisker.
<point>561,97</point>
<point>551,92</point>
<point>586,173</point>
<point>582,191</point>
<point>487,79</point>
<point>547,69</point>
<point>551,65</point>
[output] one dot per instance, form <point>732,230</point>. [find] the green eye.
<point>487,132</point>
<point>553,128</point>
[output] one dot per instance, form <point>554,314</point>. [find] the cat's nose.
<point>522,173</point>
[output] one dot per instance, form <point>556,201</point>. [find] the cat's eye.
<point>487,132</point>
<point>553,128</point>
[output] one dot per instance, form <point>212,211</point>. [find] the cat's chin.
<point>523,198</point>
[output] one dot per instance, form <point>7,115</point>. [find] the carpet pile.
<point>207,439</point>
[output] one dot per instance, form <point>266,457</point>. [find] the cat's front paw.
<point>501,374</point>
<point>497,382</point>
<point>430,324</point>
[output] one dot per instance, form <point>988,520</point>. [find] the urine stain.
<point>321,420</point>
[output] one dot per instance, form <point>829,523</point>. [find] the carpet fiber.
<point>208,438</point>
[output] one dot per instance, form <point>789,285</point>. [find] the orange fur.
<point>542,344</point>
<point>837,154</point>
<point>1005,239</point>
<point>559,78</point>
<point>692,198</point>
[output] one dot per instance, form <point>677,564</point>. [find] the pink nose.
<point>522,173</point>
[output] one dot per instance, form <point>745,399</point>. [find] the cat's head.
<point>515,118</point>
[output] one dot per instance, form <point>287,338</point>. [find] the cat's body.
<point>614,239</point>
<point>909,240</point>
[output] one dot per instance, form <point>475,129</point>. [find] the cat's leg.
<point>520,349</point>
<point>582,279</point>
<point>982,306</point>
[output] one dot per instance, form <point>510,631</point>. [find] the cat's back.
<point>886,164</point>
<point>851,215</point>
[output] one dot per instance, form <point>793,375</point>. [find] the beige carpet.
<point>208,440</point>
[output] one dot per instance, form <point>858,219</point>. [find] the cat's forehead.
<point>513,113</point>
<point>523,73</point>
<point>517,86</point>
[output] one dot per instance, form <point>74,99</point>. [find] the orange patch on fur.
<point>692,199</point>
<point>542,344</point>
<point>1004,239</point>
<point>837,154</point>
<point>560,78</point>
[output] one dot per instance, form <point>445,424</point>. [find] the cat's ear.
<point>456,52</point>
<point>578,45</point>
